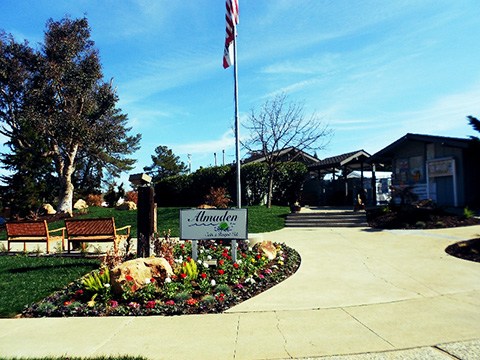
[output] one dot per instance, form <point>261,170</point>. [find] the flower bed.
<point>211,285</point>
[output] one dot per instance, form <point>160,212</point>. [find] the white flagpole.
<point>237,122</point>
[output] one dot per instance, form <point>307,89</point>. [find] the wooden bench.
<point>32,231</point>
<point>94,230</point>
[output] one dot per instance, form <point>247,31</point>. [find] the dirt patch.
<point>417,219</point>
<point>467,250</point>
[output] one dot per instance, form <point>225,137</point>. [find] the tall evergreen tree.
<point>60,92</point>
<point>165,164</point>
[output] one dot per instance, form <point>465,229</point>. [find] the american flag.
<point>232,19</point>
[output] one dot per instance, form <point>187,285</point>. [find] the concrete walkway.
<point>359,294</point>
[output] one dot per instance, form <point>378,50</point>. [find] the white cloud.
<point>226,142</point>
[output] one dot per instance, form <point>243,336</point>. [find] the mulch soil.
<point>400,220</point>
<point>467,250</point>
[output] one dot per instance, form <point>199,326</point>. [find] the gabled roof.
<point>355,160</point>
<point>259,157</point>
<point>389,151</point>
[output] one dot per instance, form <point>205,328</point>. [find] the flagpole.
<point>237,122</point>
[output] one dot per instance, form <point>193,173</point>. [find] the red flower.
<point>203,275</point>
<point>221,272</point>
<point>189,258</point>
<point>220,262</point>
<point>235,266</point>
<point>259,257</point>
<point>128,278</point>
<point>183,275</point>
<point>150,304</point>
<point>152,280</point>
<point>244,255</point>
<point>191,302</point>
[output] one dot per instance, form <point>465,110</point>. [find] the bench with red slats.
<point>87,230</point>
<point>32,231</point>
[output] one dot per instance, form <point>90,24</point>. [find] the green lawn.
<point>26,280</point>
<point>260,219</point>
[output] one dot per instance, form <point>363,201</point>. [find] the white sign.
<point>203,224</point>
<point>440,167</point>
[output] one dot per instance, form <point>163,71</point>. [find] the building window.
<point>411,169</point>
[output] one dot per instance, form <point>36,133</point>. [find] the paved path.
<point>359,294</point>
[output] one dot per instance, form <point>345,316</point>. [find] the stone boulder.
<point>141,271</point>
<point>127,205</point>
<point>80,204</point>
<point>49,209</point>
<point>268,249</point>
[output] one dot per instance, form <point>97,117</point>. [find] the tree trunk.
<point>65,195</point>
<point>270,191</point>
<point>65,165</point>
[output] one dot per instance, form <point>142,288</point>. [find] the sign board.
<point>440,167</point>
<point>215,224</point>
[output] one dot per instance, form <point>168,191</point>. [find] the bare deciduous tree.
<point>279,126</point>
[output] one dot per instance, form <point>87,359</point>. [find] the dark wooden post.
<point>145,220</point>
<point>374,186</point>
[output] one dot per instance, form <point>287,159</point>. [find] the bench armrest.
<point>54,230</point>
<point>125,228</point>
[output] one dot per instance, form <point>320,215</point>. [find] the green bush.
<point>254,179</point>
<point>190,190</point>
<point>288,183</point>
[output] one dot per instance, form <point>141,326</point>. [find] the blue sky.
<point>372,70</point>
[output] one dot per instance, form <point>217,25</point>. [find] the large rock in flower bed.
<point>49,209</point>
<point>139,272</point>
<point>268,249</point>
<point>80,204</point>
<point>127,205</point>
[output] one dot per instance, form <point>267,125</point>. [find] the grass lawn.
<point>26,280</point>
<point>260,219</point>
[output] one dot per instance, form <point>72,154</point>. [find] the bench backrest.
<point>92,226</point>
<point>27,228</point>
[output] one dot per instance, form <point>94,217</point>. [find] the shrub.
<point>218,198</point>
<point>94,200</point>
<point>132,196</point>
<point>182,296</point>
<point>467,213</point>
<point>420,224</point>
<point>288,183</point>
<point>255,183</point>
<point>223,288</point>
<point>208,300</point>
